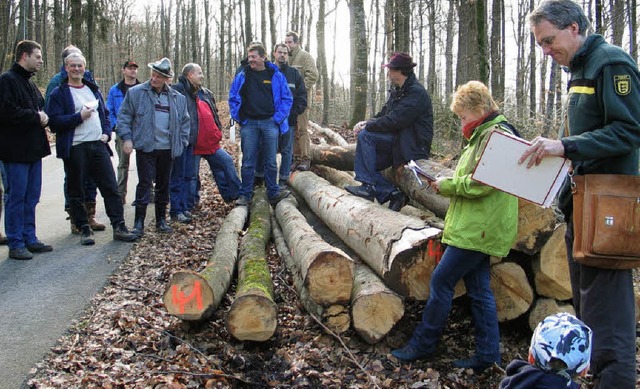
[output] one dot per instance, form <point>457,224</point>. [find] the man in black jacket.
<point>402,131</point>
<point>299,92</point>
<point>23,144</point>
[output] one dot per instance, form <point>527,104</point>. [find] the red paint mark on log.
<point>180,299</point>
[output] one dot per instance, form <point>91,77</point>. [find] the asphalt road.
<point>39,298</point>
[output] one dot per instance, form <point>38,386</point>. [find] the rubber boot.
<point>72,221</point>
<point>161,219</point>
<point>90,206</point>
<point>138,223</point>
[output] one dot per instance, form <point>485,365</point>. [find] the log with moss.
<point>252,315</point>
<point>399,248</point>
<point>194,296</point>
<point>335,317</point>
<point>327,272</point>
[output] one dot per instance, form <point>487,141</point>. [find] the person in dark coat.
<point>402,131</point>
<point>23,144</point>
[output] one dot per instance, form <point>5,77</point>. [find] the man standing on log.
<point>603,124</point>
<point>402,131</point>
<point>114,100</point>
<point>260,101</point>
<point>306,65</point>
<point>79,119</point>
<point>23,144</point>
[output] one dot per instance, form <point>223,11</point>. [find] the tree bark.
<point>535,226</point>
<point>253,315</point>
<point>327,272</point>
<point>341,158</point>
<point>335,317</point>
<point>374,307</point>
<point>336,177</point>
<point>551,268</point>
<point>400,249</point>
<point>358,79</point>
<point>511,289</point>
<point>333,138</point>
<point>195,296</point>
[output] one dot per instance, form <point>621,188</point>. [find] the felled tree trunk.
<point>544,307</point>
<point>339,178</point>
<point>422,194</point>
<point>332,137</point>
<point>341,158</point>
<point>194,296</point>
<point>252,315</point>
<point>327,271</point>
<point>335,317</point>
<point>398,248</point>
<point>535,226</point>
<point>374,307</point>
<point>551,268</point>
<point>511,289</point>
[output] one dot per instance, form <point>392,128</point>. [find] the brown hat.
<point>400,61</point>
<point>129,63</point>
<point>163,67</point>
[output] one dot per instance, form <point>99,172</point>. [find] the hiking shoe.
<point>284,193</point>
<point>397,200</point>
<point>21,254</point>
<point>180,218</point>
<point>304,165</point>
<point>243,200</point>
<point>409,353</point>
<point>366,191</point>
<point>474,363</point>
<point>122,233</point>
<point>39,247</point>
<point>188,214</point>
<point>86,236</point>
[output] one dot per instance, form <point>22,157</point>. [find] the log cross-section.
<point>253,314</point>
<point>194,296</point>
<point>392,244</point>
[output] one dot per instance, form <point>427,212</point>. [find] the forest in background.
<point>452,41</point>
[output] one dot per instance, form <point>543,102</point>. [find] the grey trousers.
<point>604,300</point>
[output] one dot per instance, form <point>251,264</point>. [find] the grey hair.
<point>74,55</point>
<point>188,68</point>
<point>560,13</point>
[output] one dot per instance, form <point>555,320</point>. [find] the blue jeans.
<point>285,146</point>
<point>24,186</point>
<point>373,154</point>
<point>259,135</point>
<point>473,268</point>
<point>221,165</point>
<point>182,176</point>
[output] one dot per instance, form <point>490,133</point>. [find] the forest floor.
<point>126,339</point>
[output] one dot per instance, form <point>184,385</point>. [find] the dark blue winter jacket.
<point>523,375</point>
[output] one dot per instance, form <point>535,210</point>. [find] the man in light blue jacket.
<point>153,119</point>
<point>260,101</point>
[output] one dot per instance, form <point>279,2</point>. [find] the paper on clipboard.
<point>498,167</point>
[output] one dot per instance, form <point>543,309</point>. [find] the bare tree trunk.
<point>497,54</point>
<point>91,27</point>
<point>481,28</point>
<point>551,94</point>
<point>448,53</point>
<point>470,63</point>
<point>207,43</point>
<point>359,55</point>
<point>272,23</point>
<point>432,78</point>
<point>322,61</point>
<point>195,42</point>
<point>617,21</point>
<point>224,45</point>
<point>247,23</point>
<point>633,28</point>
<point>76,22</point>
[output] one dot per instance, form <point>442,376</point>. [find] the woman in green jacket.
<point>481,222</point>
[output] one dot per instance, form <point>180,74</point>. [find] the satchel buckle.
<point>608,220</point>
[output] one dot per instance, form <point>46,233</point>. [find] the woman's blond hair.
<point>473,96</point>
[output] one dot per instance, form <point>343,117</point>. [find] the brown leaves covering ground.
<point>126,339</point>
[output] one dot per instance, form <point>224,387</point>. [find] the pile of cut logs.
<point>353,262</point>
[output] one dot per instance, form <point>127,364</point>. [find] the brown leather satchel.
<point>606,220</point>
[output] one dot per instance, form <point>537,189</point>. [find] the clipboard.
<point>498,167</point>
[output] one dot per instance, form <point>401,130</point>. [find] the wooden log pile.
<point>353,261</point>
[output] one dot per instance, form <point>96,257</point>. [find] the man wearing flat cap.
<point>153,119</point>
<point>402,131</point>
<point>114,100</point>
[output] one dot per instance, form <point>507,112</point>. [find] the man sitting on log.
<point>402,131</point>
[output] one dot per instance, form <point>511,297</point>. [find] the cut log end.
<point>544,307</point>
<point>252,318</point>
<point>188,296</point>
<point>511,289</point>
<point>374,315</point>
<point>337,319</point>
<point>330,279</point>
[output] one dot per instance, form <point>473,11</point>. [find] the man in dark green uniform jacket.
<point>603,123</point>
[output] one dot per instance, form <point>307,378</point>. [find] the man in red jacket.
<point>206,133</point>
